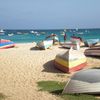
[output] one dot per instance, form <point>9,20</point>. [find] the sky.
<point>49,14</point>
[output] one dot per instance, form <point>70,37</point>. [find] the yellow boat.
<point>70,61</point>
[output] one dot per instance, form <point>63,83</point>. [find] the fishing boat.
<point>68,45</point>
<point>91,42</point>
<point>4,44</point>
<point>10,34</point>
<point>45,44</point>
<point>86,81</point>
<point>35,33</point>
<point>94,51</point>
<point>1,32</point>
<point>75,39</point>
<point>70,61</point>
<point>53,37</point>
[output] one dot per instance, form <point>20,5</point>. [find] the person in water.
<point>65,37</point>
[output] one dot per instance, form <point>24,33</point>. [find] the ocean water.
<point>25,36</point>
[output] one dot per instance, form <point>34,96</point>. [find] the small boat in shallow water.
<point>11,34</point>
<point>45,44</point>
<point>91,42</point>
<point>4,44</point>
<point>1,32</point>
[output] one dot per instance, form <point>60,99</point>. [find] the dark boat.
<point>94,51</point>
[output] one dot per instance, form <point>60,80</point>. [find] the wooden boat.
<point>75,39</point>
<point>68,45</point>
<point>70,61</point>
<point>53,37</point>
<point>45,44</point>
<point>95,51</point>
<point>4,44</point>
<point>85,81</point>
<point>91,42</point>
<point>74,42</point>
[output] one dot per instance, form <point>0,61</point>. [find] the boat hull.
<point>91,42</point>
<point>45,44</point>
<point>69,66</point>
<point>4,44</point>
<point>93,52</point>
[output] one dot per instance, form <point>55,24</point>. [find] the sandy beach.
<point>23,66</point>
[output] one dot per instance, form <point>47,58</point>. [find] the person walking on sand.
<point>65,37</point>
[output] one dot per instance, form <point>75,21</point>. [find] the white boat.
<point>63,33</point>
<point>35,33</point>
<point>11,34</point>
<point>91,42</point>
<point>45,44</point>
<point>1,32</point>
<point>19,33</point>
<point>68,45</point>
<point>32,31</point>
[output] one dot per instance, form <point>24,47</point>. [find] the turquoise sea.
<point>25,36</point>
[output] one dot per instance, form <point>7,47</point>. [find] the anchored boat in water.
<point>1,32</point>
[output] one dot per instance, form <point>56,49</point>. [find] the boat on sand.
<point>4,44</point>
<point>45,44</point>
<point>91,42</point>
<point>70,61</point>
<point>94,51</point>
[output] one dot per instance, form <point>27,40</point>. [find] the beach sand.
<point>23,66</point>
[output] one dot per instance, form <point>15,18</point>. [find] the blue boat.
<point>91,42</point>
<point>4,44</point>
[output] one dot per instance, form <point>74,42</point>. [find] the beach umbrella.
<point>84,81</point>
<point>70,61</point>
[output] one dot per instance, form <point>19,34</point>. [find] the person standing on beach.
<point>65,37</point>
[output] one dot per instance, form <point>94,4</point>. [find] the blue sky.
<point>49,14</point>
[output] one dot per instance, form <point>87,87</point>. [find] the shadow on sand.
<point>96,57</point>
<point>35,48</point>
<point>62,47</point>
<point>49,67</point>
